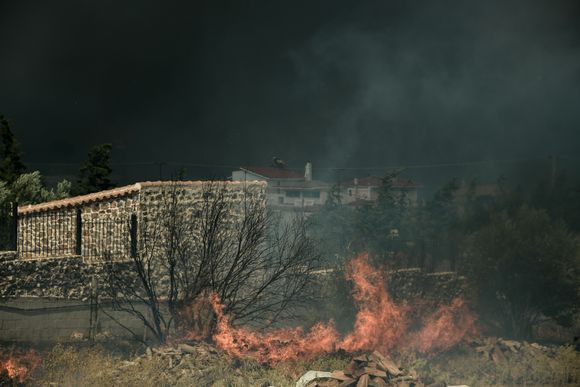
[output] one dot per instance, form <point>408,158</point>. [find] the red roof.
<point>274,173</point>
<point>375,181</point>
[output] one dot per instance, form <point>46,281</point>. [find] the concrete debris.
<point>365,370</point>
<point>312,375</point>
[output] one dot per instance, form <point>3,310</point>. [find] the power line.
<point>370,168</point>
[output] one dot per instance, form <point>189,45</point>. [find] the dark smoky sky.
<point>341,83</point>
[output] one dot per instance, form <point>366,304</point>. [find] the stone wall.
<point>49,292</point>
<point>51,229</point>
<point>415,284</point>
<point>54,299</point>
<point>47,233</point>
<point>72,278</point>
<point>8,255</point>
<point>106,227</point>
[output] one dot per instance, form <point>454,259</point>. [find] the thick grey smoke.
<point>440,84</point>
<point>339,83</point>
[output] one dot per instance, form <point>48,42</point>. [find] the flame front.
<point>380,324</point>
<point>19,366</point>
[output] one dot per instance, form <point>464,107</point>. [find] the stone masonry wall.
<point>53,232</point>
<point>49,230</point>
<point>415,284</point>
<point>47,233</point>
<point>48,292</point>
<point>106,228</point>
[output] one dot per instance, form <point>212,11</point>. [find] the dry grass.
<point>68,366</point>
<point>530,368</point>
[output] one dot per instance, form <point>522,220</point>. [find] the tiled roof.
<point>83,199</point>
<point>375,181</point>
<point>106,195</point>
<point>274,173</point>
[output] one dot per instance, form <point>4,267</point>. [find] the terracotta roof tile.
<point>108,194</point>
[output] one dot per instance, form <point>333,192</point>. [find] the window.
<point>349,192</point>
<point>311,194</point>
<point>293,194</point>
<point>280,199</point>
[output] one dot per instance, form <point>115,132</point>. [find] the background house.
<point>287,189</point>
<point>367,189</point>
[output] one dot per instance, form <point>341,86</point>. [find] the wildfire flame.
<point>380,324</point>
<point>19,366</point>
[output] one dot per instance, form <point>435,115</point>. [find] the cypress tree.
<point>95,172</point>
<point>11,165</point>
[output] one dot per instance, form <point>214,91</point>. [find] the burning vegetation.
<point>17,365</point>
<point>381,324</point>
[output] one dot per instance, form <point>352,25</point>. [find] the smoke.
<point>337,83</point>
<point>441,83</point>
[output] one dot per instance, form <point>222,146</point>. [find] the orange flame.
<point>275,346</point>
<point>19,366</point>
<point>380,324</point>
<point>445,328</point>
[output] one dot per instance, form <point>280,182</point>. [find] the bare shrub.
<point>261,268</point>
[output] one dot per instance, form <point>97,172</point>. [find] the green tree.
<point>30,189</point>
<point>525,268</point>
<point>10,155</point>
<point>95,172</point>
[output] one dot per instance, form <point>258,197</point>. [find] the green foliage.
<point>17,186</point>
<point>10,164</point>
<point>94,175</point>
<point>29,188</point>
<point>524,266</point>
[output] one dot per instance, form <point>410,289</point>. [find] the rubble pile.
<point>499,350</point>
<point>182,361</point>
<point>365,370</point>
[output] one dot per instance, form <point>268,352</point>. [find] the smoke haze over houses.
<point>343,84</point>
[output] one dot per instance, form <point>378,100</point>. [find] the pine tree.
<point>94,174</point>
<point>10,163</point>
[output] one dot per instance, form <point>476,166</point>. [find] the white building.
<point>366,189</point>
<point>288,189</point>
